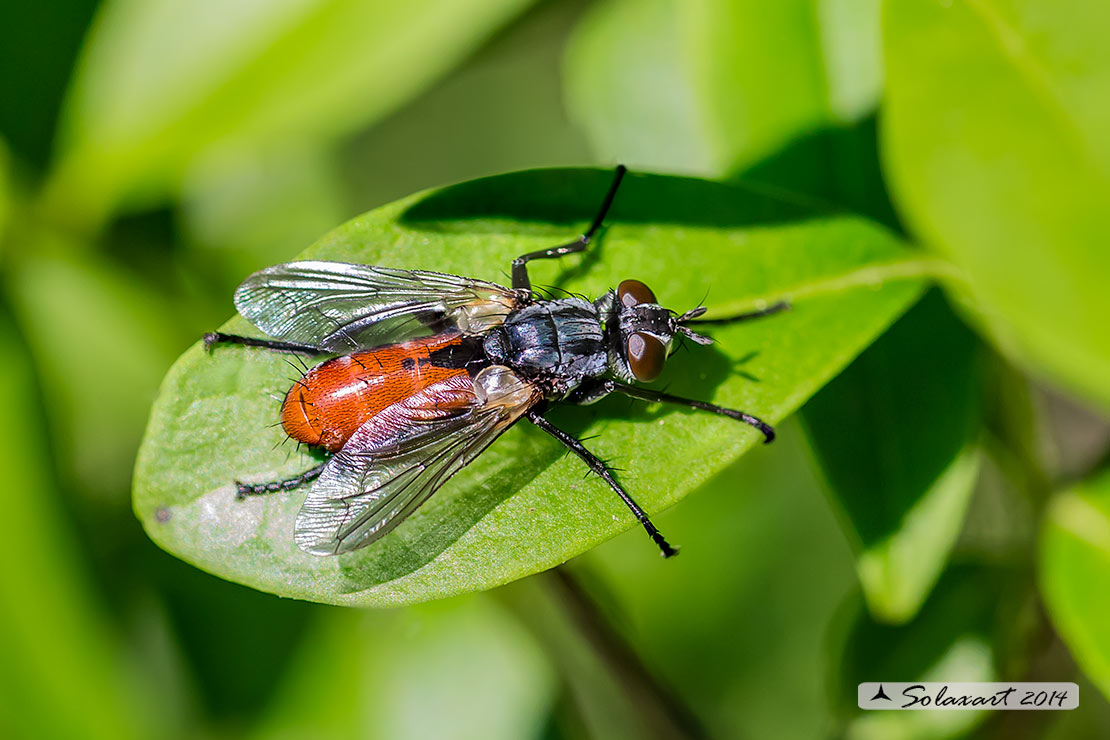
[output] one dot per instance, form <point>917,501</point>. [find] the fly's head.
<point>642,333</point>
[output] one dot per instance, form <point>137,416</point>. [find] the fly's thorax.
<point>496,345</point>
<point>555,344</point>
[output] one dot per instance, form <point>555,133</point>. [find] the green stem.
<point>615,693</point>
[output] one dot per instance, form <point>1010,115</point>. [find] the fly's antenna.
<point>685,331</point>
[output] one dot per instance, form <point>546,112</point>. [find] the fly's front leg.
<point>656,396</point>
<point>591,391</point>
<point>520,264</point>
<point>212,338</point>
<point>600,468</point>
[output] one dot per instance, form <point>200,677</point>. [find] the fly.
<point>428,369</point>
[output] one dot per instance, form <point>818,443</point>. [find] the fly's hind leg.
<point>286,484</point>
<point>212,338</point>
<point>520,264</point>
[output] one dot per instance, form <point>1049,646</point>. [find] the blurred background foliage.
<point>937,512</point>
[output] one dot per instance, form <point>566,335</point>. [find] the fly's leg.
<point>242,490</point>
<point>520,264</point>
<point>590,391</point>
<point>587,394</point>
<point>597,466</point>
<point>650,396</point>
<point>212,338</point>
<point>287,484</point>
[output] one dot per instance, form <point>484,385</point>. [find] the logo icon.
<point>881,694</point>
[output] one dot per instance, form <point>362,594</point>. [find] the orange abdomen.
<point>334,399</point>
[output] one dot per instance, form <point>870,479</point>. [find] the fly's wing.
<point>340,307</point>
<point>403,454</point>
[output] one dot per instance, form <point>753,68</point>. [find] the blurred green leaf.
<point>243,213</point>
<point>612,693</point>
<point>895,434</point>
<point>950,639</point>
<point>995,141</point>
<point>162,84</point>
<point>5,191</point>
<point>78,312</point>
<point>459,670</point>
<point>233,671</point>
<point>1075,574</point>
<point>848,279</point>
<point>969,658</point>
<point>748,603</point>
<point>38,44</point>
<point>898,571</point>
<point>506,113</point>
<point>713,86</point>
<point>63,675</point>
<point>1089,724</point>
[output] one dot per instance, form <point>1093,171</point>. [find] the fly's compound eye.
<point>633,292</point>
<point>646,356</point>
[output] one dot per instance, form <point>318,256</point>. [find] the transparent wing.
<point>340,306</point>
<point>403,454</point>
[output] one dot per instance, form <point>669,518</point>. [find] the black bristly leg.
<point>213,338</point>
<point>590,391</point>
<point>520,264</point>
<point>287,484</point>
<point>599,467</point>
<point>650,396</point>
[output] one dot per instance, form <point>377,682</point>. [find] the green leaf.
<point>106,307</point>
<point>521,507</point>
<point>6,194</point>
<point>995,145</point>
<point>242,213</point>
<point>954,634</point>
<point>1075,574</point>
<point>506,109</point>
<point>398,662</point>
<point>161,85</point>
<point>65,674</point>
<point>896,436</point>
<point>712,86</point>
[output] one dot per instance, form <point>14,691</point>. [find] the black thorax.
<point>556,344</point>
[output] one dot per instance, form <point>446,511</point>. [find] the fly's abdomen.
<point>328,405</point>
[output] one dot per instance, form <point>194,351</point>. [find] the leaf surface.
<point>1075,574</point>
<point>995,146</point>
<point>896,435</point>
<point>714,86</point>
<point>525,506</point>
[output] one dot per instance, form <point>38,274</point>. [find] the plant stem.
<point>613,690</point>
